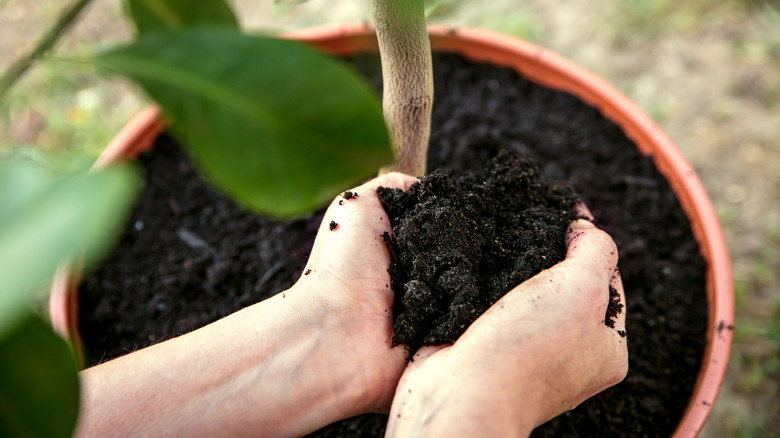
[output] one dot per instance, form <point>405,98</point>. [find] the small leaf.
<point>150,15</point>
<point>39,385</point>
<point>279,126</point>
<point>46,219</point>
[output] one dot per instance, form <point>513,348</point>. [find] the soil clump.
<point>462,241</point>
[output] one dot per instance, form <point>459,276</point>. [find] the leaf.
<point>280,127</point>
<point>151,15</point>
<point>39,385</point>
<point>46,219</point>
<point>19,185</point>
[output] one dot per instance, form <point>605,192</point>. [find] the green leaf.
<point>151,15</point>
<point>39,385</point>
<point>44,220</point>
<point>279,126</point>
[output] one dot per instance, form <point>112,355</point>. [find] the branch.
<point>407,75</point>
<point>21,65</point>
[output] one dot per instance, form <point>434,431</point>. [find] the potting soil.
<point>189,256</point>
<point>462,241</point>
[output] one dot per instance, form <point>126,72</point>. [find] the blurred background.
<point>707,71</point>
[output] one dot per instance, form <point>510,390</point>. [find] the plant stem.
<point>21,65</point>
<point>407,75</point>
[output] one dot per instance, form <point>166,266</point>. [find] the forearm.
<point>449,398</point>
<point>319,352</point>
<point>257,372</point>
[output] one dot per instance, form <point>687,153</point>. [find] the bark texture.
<point>407,75</point>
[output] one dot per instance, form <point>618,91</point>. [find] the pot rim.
<point>551,70</point>
<point>554,71</point>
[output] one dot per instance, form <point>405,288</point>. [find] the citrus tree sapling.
<point>407,76</point>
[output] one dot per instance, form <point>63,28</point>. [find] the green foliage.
<point>279,126</point>
<point>46,219</point>
<point>150,15</point>
<point>39,386</point>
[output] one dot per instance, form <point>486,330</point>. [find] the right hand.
<point>539,351</point>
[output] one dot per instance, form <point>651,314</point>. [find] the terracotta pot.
<point>548,69</point>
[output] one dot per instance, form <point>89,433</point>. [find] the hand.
<point>302,359</point>
<point>539,351</point>
<point>348,279</point>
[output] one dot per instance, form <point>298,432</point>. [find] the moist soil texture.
<point>188,256</point>
<point>462,241</point>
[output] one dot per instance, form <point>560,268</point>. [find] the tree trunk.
<point>407,74</point>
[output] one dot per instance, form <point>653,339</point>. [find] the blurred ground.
<point>707,71</point>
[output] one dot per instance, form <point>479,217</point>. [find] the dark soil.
<point>614,308</point>
<point>461,242</point>
<point>189,257</point>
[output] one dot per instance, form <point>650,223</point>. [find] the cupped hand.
<point>286,366</point>
<point>539,351</point>
<point>347,278</point>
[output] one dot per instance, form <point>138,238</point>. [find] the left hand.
<point>348,279</point>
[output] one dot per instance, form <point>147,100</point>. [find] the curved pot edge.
<point>536,63</point>
<point>651,140</point>
<point>554,71</point>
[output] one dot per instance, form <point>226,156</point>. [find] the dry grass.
<point>708,72</point>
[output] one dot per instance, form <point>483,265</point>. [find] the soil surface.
<point>461,242</point>
<point>188,257</point>
<point>187,263</point>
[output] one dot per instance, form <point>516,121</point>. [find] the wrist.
<point>457,395</point>
<point>353,347</point>
<point>360,323</point>
<point>513,389</point>
<point>325,385</point>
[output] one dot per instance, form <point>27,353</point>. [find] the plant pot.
<point>550,70</point>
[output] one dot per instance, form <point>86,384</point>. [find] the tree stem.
<point>21,65</point>
<point>407,75</point>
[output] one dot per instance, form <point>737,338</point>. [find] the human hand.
<point>539,351</point>
<point>347,279</point>
<point>286,366</point>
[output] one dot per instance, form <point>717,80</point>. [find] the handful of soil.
<point>462,241</point>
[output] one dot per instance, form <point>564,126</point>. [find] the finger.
<point>363,202</point>
<point>591,260</point>
<point>355,223</point>
<point>591,249</point>
<point>365,196</point>
<point>583,212</point>
<point>393,180</point>
<point>576,229</point>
